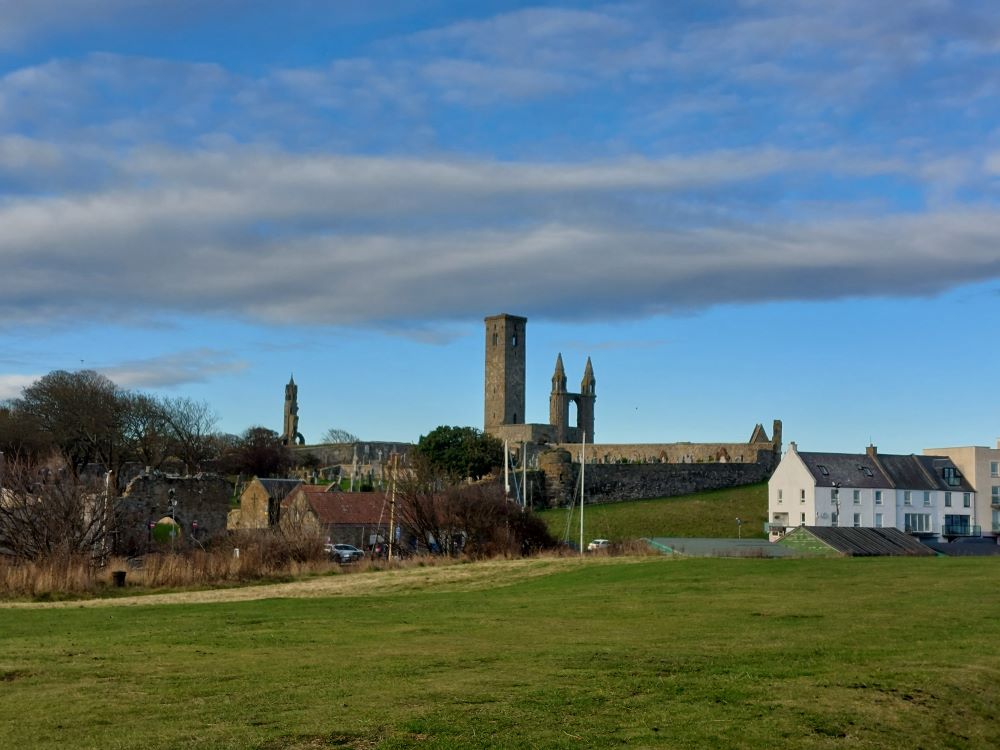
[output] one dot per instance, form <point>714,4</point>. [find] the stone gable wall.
<point>201,512</point>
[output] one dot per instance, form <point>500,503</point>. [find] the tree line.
<point>84,419</point>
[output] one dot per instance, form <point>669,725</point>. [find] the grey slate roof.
<point>278,489</point>
<point>846,469</point>
<point>866,542</point>
<point>881,471</point>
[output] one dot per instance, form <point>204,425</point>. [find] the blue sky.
<point>740,210</point>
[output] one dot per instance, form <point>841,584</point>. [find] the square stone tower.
<point>505,347</point>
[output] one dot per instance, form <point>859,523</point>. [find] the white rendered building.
<point>925,496</point>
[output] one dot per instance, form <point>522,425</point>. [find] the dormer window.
<point>952,476</point>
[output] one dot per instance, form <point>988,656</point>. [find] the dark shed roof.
<point>865,542</point>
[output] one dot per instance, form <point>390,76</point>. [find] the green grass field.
<point>705,514</point>
<point>611,652</point>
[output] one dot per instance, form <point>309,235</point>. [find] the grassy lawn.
<point>705,514</point>
<point>641,652</point>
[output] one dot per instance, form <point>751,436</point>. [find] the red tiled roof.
<point>343,507</point>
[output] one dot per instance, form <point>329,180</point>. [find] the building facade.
<point>926,496</point>
<point>981,467</point>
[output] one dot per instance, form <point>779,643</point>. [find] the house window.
<point>878,520</point>
<point>878,497</point>
<point>947,499</point>
<point>995,468</point>
<point>802,496</point>
<point>907,497</point>
<point>956,525</point>
<point>917,523</point>
<point>834,519</point>
<point>952,477</point>
<point>994,495</point>
<point>966,499</point>
<point>857,497</point>
<point>927,498</point>
<point>834,495</point>
<point>780,495</point>
<point>857,520</point>
<point>802,519</point>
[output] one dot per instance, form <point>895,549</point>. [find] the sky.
<point>741,211</point>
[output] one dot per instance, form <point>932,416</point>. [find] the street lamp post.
<point>172,506</point>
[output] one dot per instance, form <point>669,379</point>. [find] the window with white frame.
<point>927,499</point>
<point>994,495</point>
<point>995,468</point>
<point>878,497</point>
<point>966,499</point>
<point>780,494</point>
<point>857,497</point>
<point>802,496</point>
<point>857,519</point>
<point>834,519</point>
<point>878,520</point>
<point>834,495</point>
<point>907,497</point>
<point>947,499</point>
<point>917,522</point>
<point>802,519</point>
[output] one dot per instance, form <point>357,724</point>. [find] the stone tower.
<point>291,435</point>
<point>505,345</point>
<point>560,399</point>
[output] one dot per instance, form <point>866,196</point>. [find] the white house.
<point>921,495</point>
<point>981,467</point>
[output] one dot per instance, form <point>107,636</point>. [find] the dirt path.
<point>470,576</point>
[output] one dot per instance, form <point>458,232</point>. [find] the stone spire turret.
<point>589,384</point>
<point>559,376</point>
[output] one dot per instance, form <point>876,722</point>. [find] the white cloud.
<point>12,385</point>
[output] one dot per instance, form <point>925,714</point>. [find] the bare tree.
<point>336,435</point>
<point>46,513</point>
<point>191,425</point>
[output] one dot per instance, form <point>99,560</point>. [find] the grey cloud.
<point>276,239</point>
<point>179,368</point>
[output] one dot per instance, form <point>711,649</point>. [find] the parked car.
<point>598,544</point>
<point>344,553</point>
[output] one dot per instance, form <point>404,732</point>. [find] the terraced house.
<point>927,496</point>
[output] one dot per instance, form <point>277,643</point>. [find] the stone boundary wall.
<point>334,454</point>
<point>611,483</point>
<point>673,453</point>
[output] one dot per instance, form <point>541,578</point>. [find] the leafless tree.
<point>335,435</point>
<point>191,426</point>
<point>47,512</point>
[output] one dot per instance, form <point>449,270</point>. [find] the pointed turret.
<point>588,385</point>
<point>559,376</point>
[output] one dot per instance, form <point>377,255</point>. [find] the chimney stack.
<point>871,451</point>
